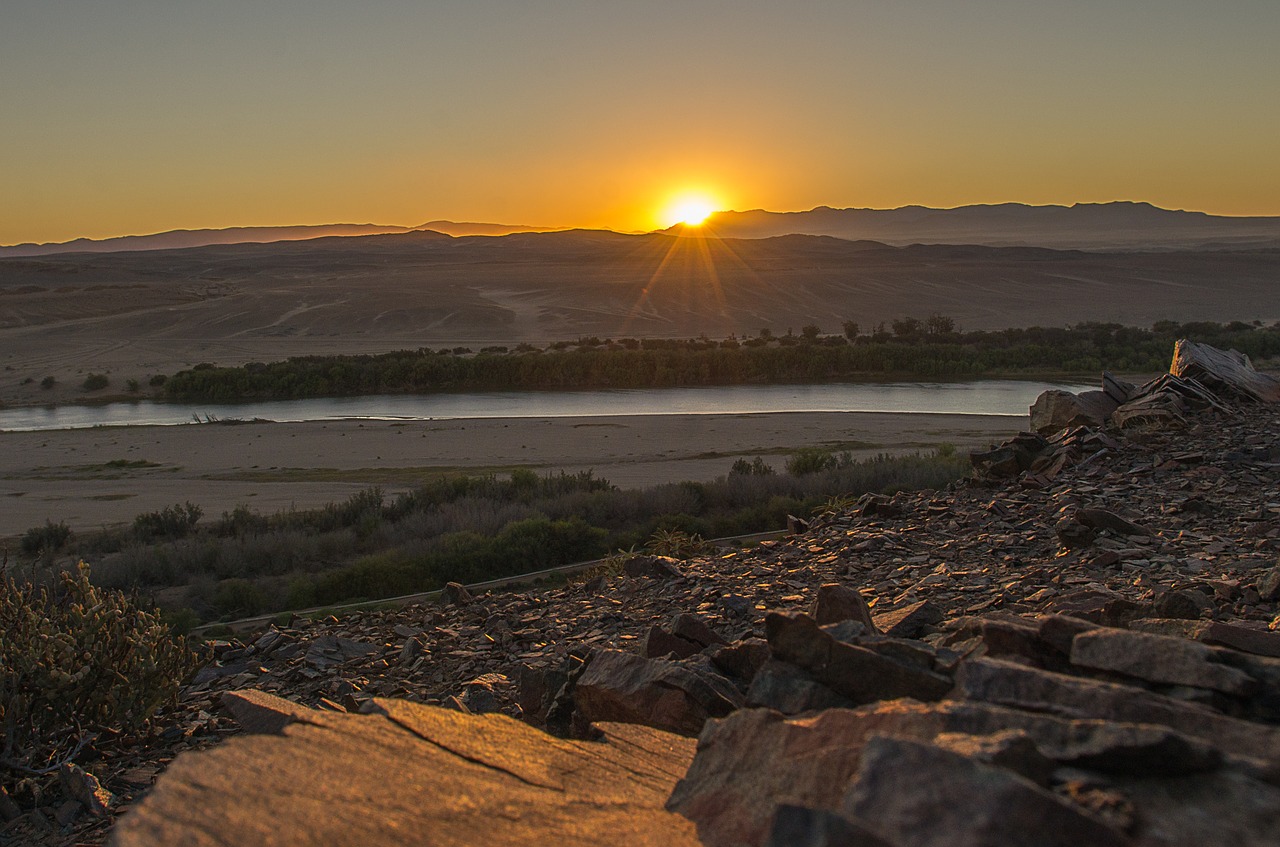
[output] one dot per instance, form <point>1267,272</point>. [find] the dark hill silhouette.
<point>183,238</point>
<point>1083,226</point>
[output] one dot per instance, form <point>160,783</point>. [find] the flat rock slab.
<point>409,773</point>
<point>1159,659</point>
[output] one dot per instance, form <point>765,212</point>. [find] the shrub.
<point>133,385</point>
<point>96,382</point>
<point>157,380</point>
<point>48,382</point>
<point>49,538</point>
<point>810,460</point>
<point>76,660</point>
<point>238,598</point>
<point>240,522</point>
<point>181,621</point>
<point>170,522</point>
<point>677,544</point>
<point>755,467</point>
<point>362,510</point>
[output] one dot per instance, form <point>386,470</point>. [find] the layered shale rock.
<point>1135,739</point>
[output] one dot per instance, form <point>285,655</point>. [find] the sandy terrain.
<point>67,475</point>
<point>134,315</point>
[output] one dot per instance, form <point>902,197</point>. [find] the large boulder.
<point>1056,410</point>
<point>1228,373</point>
<point>410,773</point>
<point>624,687</point>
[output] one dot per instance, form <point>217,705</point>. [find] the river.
<point>986,397</point>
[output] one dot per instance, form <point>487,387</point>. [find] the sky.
<point>134,116</point>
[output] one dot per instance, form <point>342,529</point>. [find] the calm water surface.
<point>988,397</point>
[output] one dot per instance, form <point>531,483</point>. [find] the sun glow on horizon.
<point>690,209</point>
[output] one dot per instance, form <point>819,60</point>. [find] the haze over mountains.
<point>1084,226</point>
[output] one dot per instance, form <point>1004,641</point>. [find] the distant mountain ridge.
<point>181,238</point>
<point>1120,225</point>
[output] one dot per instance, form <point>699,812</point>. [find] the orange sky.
<point>141,115</point>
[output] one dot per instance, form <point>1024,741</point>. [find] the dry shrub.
<point>77,660</point>
<point>677,544</point>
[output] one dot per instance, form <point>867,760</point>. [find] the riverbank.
<point>91,478</point>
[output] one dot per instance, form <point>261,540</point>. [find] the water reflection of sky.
<point>988,397</point>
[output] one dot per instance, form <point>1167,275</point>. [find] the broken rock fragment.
<point>835,602</point>
<point>920,794</point>
<point>623,687</point>
<point>909,621</point>
<point>860,674</point>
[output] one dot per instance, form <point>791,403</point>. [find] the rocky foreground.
<point>1079,646</point>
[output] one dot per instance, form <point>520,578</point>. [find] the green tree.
<point>940,325</point>
<point>906,327</point>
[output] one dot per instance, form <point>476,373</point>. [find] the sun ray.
<point>689,270</point>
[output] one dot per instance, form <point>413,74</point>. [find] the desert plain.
<point>135,315</point>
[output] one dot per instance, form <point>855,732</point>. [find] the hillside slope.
<point>1116,686</point>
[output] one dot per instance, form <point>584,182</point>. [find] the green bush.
<point>810,460</point>
<point>756,467</point>
<point>170,522</point>
<point>48,382</point>
<point>75,660</point>
<point>469,529</point>
<point>49,538</point>
<point>238,598</point>
<point>96,382</point>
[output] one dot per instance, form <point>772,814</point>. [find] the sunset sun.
<point>690,210</point>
